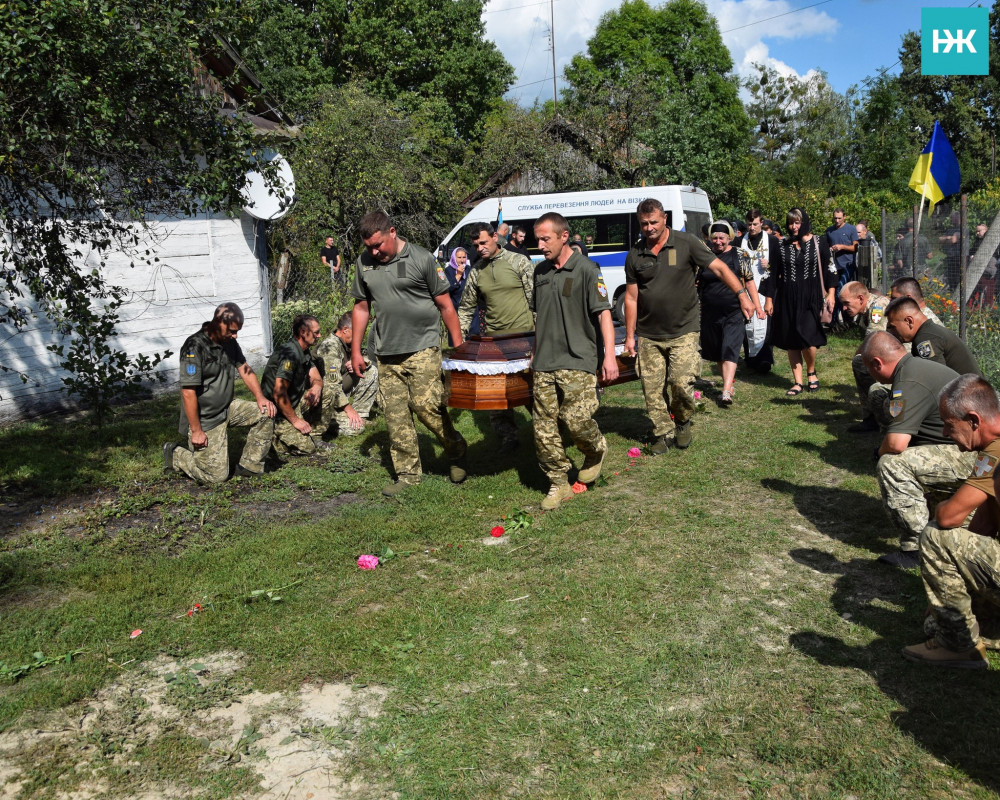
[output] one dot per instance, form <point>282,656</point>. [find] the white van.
<point>607,214</point>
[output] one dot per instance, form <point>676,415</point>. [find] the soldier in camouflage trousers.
<point>210,360</point>
<point>348,397</point>
<point>868,309</point>
<point>668,370</point>
<point>960,565</point>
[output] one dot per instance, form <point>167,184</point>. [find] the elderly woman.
<point>457,273</point>
<point>802,283</point>
<point>722,320</point>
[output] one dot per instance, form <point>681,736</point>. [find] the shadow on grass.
<point>843,514</point>
<point>951,713</point>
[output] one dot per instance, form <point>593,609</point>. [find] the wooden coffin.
<point>493,372</point>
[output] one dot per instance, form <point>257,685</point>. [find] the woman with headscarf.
<point>801,284</point>
<point>457,273</point>
<point>722,320</point>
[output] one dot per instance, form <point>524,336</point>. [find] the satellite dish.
<point>264,201</point>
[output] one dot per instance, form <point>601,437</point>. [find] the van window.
<point>694,220</point>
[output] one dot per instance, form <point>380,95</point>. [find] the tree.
<point>105,123</point>
<point>405,51</point>
<point>657,92</point>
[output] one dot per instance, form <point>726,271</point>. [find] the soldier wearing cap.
<point>352,397</point>
<point>917,462</point>
<point>570,300</point>
<point>210,361</point>
<point>410,290</point>
<point>868,309</point>
<point>960,565</point>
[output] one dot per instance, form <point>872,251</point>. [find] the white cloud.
<point>521,33</point>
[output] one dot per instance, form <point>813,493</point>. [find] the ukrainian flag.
<point>936,174</point>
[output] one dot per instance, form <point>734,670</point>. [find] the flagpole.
<point>916,234</point>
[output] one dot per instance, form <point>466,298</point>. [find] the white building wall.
<point>203,261</point>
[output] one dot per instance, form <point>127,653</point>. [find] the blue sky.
<point>848,39</point>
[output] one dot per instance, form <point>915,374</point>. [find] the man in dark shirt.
<point>330,256</point>
<point>293,382</point>
<point>210,361</point>
<point>927,340</point>
<point>570,300</point>
<point>663,320</point>
<point>916,459</point>
<point>516,242</point>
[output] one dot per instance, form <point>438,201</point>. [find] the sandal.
<point>813,384</point>
<point>795,389</point>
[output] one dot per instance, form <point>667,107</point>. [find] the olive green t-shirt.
<point>209,369</point>
<point>937,343</point>
<point>668,298</point>
<point>291,364</point>
<point>404,289</point>
<point>503,285</point>
<point>984,472</point>
<point>913,404</point>
<point>567,302</point>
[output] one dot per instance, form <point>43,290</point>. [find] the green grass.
<point>708,624</point>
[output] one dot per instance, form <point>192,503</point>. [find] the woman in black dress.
<point>802,282</point>
<point>722,320</point>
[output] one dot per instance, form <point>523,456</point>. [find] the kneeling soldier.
<point>210,361</point>
<point>352,396</point>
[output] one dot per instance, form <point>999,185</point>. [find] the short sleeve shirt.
<point>567,302</point>
<point>333,353</point>
<point>845,234</point>
<point>986,470</point>
<point>291,364</point>
<point>937,343</point>
<point>209,369</point>
<point>404,290</point>
<point>330,253</point>
<point>668,297</point>
<point>913,403</point>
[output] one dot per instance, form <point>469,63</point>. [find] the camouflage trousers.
<point>210,464</point>
<point>410,384</point>
<point>961,573</point>
<point>668,370</point>
<point>569,396</point>
<point>362,399</point>
<point>914,481</point>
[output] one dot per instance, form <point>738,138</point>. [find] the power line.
<point>514,8</point>
<point>546,79</point>
<point>776,16</point>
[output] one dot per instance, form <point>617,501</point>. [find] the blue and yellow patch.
<point>897,404</point>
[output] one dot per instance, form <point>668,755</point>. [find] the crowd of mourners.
<point>745,288</point>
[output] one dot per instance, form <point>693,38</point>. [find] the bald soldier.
<point>927,340</point>
<point>502,282</point>
<point>411,292</point>
<point>960,566</point>
<point>868,309</point>
<point>917,463</point>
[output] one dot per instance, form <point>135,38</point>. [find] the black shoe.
<point>867,425</point>
<point>904,559</point>
<point>168,456</point>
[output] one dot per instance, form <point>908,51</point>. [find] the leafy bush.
<point>326,308</point>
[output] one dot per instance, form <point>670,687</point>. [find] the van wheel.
<point>619,308</point>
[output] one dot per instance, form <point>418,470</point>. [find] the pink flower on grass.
<point>579,488</point>
<point>497,531</point>
<point>697,395</point>
<point>367,562</point>
<point>135,634</point>
<point>634,452</point>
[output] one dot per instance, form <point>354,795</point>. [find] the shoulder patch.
<point>985,465</point>
<point>191,369</point>
<point>925,349</point>
<point>189,354</point>
<point>602,290</point>
<point>877,313</point>
<point>287,366</point>
<point>897,404</point>
<point>441,275</point>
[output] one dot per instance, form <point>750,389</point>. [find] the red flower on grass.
<point>497,531</point>
<point>579,488</point>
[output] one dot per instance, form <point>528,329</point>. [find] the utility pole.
<point>552,41</point>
